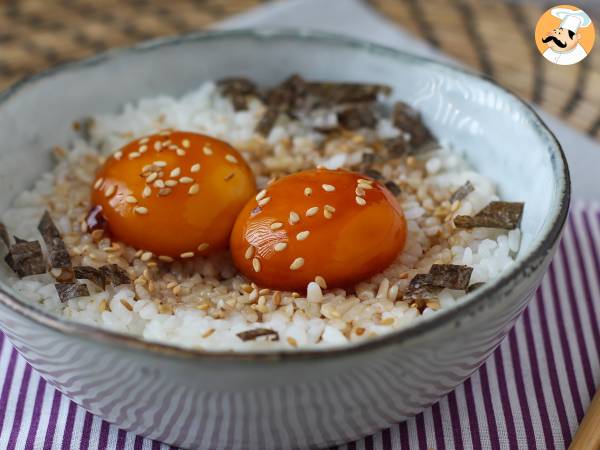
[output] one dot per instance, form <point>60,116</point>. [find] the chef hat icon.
<point>571,19</point>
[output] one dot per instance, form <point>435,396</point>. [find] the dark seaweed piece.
<point>368,158</point>
<point>238,89</point>
<point>409,120</point>
<point>375,174</point>
<point>26,258</point>
<point>505,215</point>
<point>288,95</point>
<point>397,147</point>
<point>4,235</point>
<point>462,192</point>
<point>421,288</point>
<point>18,240</point>
<point>67,291</point>
<point>57,250</point>
<point>393,188</point>
<point>474,286</point>
<point>329,93</point>
<point>266,122</point>
<point>114,275</point>
<point>96,276</point>
<point>356,117</point>
<point>95,219</point>
<point>252,335</point>
<point>450,276</point>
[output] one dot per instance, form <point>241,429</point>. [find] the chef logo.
<point>564,35</point>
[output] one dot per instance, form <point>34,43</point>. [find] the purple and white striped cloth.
<point>531,393</point>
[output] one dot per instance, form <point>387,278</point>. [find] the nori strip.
<point>393,188</point>
<point>238,89</point>
<point>368,158</point>
<point>409,120</point>
<point>421,288</point>
<point>18,240</point>
<point>114,275</point>
<point>288,96</point>
<point>396,147</point>
<point>266,122</point>
<point>26,258</point>
<point>329,93</point>
<point>57,250</point>
<point>4,235</point>
<point>505,215</point>
<point>67,291</point>
<point>450,276</point>
<point>95,219</point>
<point>356,117</point>
<point>252,335</point>
<point>96,276</point>
<point>462,192</point>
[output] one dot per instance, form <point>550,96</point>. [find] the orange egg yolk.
<point>175,194</point>
<point>334,224</point>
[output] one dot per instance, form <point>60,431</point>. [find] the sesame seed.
<point>194,188</point>
<point>165,133</point>
<point>187,255</point>
<point>329,208</point>
<point>171,183</point>
<point>98,183</point>
<point>153,176</point>
<point>261,195</point>
<point>203,246</point>
<point>186,180</point>
<point>118,155</point>
<point>166,258</point>
<point>327,214</point>
<point>307,191</point>
<point>146,192</point>
<point>264,201</point>
<point>249,252</point>
<point>175,172</point>
<point>364,186</point>
<point>207,150</point>
<point>195,168</point>
<point>229,176</point>
<point>143,149</point>
<point>180,152</point>
<point>328,187</point>
<point>280,246</point>
<point>208,332</point>
<point>294,217</point>
<point>166,143</point>
<point>321,282</point>
<point>302,235</point>
<point>158,146</point>
<point>146,256</point>
<point>110,190</point>
<point>360,192</point>
<point>159,184</point>
<point>232,159</point>
<point>360,200</point>
<point>256,264</point>
<point>147,168</point>
<point>276,225</point>
<point>134,155</point>
<point>130,199</point>
<point>298,262</point>
<point>144,140</point>
<point>165,191</point>
<point>312,211</point>
<point>141,210</point>
<point>185,143</point>
<point>362,180</point>
<point>160,163</point>
<point>173,147</point>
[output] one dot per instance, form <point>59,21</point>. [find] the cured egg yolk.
<point>175,194</point>
<point>334,224</point>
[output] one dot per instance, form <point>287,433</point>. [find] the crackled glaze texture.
<point>282,400</point>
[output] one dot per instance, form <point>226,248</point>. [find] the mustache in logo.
<point>555,40</point>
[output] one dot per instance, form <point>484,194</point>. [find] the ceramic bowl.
<point>297,399</point>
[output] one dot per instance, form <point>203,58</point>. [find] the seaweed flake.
<point>57,250</point>
<point>26,258</point>
<point>450,276</point>
<point>407,119</point>
<point>252,335</point>
<point>114,275</point>
<point>96,276</point>
<point>357,117</point>
<point>67,291</point>
<point>238,89</point>
<point>505,215</point>
<point>393,188</point>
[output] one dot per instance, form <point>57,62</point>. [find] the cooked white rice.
<point>203,303</point>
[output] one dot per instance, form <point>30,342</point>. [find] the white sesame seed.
<point>180,152</point>
<point>159,184</point>
<point>175,172</point>
<point>256,264</point>
<point>141,210</point>
<point>329,208</point>
<point>359,191</point>
<point>158,146</point>
<point>203,246</point>
<point>185,143</point>
<point>321,282</point>
<point>165,133</point>
<point>194,189</point>
<point>153,176</point>
<point>160,163</point>
<point>144,140</point>
<point>327,214</point>
<point>118,155</point>
<point>307,191</point>
<point>187,255</point>
<point>294,217</point>
<point>146,256</point>
<point>171,183</point>
<point>328,187</point>
<point>232,159</point>
<point>186,180</point>
<point>207,150</point>
<point>312,211</point>
<point>280,246</point>
<point>362,180</point>
<point>261,195</point>
<point>130,199</point>
<point>146,192</point>
<point>173,147</point>
<point>143,149</point>
<point>249,252</point>
<point>165,191</point>
<point>298,262</point>
<point>195,168</point>
<point>165,258</point>
<point>360,200</point>
<point>364,186</point>
<point>110,190</point>
<point>166,143</point>
<point>302,235</point>
<point>264,201</point>
<point>276,225</point>
<point>98,183</point>
<point>134,155</point>
<point>147,168</point>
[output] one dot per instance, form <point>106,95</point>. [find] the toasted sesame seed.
<point>229,176</point>
<point>146,192</point>
<point>312,211</point>
<point>144,140</point>
<point>195,168</point>
<point>159,184</point>
<point>98,183</point>
<point>160,163</point>
<point>329,208</point>
<point>276,225</point>
<point>256,264</point>
<point>166,143</point>
<point>187,255</point>
<point>208,332</point>
<point>261,195</point>
<point>147,168</point>
<point>293,342</point>
<point>307,191</point>
<point>153,176</point>
<point>360,200</point>
<point>359,192</point>
<point>118,155</point>
<point>294,218</point>
<point>264,201</point>
<point>302,235</point>
<point>134,155</point>
<point>164,191</point>
<point>203,246</point>
<point>110,190</point>
<point>362,180</point>
<point>180,152</point>
<point>158,146</point>
<point>175,172</point>
<point>280,246</point>
<point>207,150</point>
<point>185,143</point>
<point>171,183</point>
<point>328,187</point>
<point>249,252</point>
<point>186,180</point>
<point>321,282</point>
<point>143,149</point>
<point>130,199</point>
<point>194,189</point>
<point>364,186</point>
<point>141,210</point>
<point>165,133</point>
<point>298,262</point>
<point>166,258</point>
<point>232,159</point>
<point>327,214</point>
<point>146,256</point>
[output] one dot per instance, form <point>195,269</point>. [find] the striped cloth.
<point>531,393</point>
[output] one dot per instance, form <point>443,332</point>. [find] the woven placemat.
<point>496,38</point>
